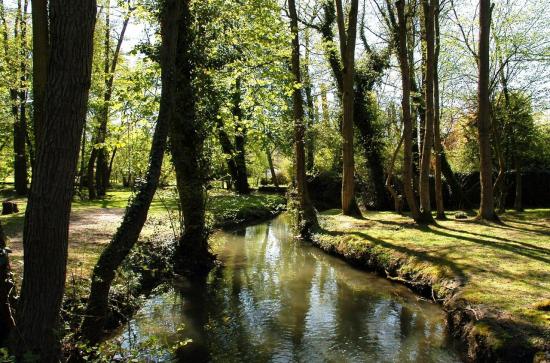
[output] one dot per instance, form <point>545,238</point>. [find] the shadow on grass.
<point>521,248</point>
<point>420,255</point>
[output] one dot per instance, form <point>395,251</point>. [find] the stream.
<point>277,299</point>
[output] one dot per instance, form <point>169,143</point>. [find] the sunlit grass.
<point>502,267</point>
<point>94,222</point>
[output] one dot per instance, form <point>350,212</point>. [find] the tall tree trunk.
<point>136,213</point>
<point>187,136</point>
<point>274,179</point>
<point>90,179</point>
<point>307,217</point>
<point>7,290</point>
<point>241,183</point>
<point>397,199</point>
<point>45,235</point>
<point>518,200</point>
<point>82,160</point>
<point>425,164</point>
<point>21,175</point>
<point>347,52</point>
<point>362,118</point>
<point>102,166</point>
<point>437,118</point>
<point>18,99</point>
<point>486,208</point>
<point>40,51</point>
<point>406,109</point>
<point>308,87</point>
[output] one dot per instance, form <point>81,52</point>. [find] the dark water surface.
<point>281,300</point>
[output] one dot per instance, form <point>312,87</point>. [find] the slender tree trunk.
<point>406,109</point>
<point>274,179</point>
<point>362,117</point>
<point>425,205</point>
<point>40,51</point>
<point>102,166</point>
<point>438,147</point>
<point>397,199</point>
<point>347,52</point>
<point>241,183</point>
<point>187,134</point>
<point>7,290</point>
<point>82,160</point>
<point>307,217</point>
<point>486,209</point>
<point>90,173</point>
<point>518,200</point>
<point>110,168</point>
<point>45,235</point>
<point>18,99</point>
<point>136,213</point>
<point>308,87</point>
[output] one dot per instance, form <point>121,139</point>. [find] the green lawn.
<point>501,268</point>
<point>94,222</point>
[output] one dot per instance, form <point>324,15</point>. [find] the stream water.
<point>277,299</point>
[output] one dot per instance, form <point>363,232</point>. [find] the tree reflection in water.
<point>279,299</point>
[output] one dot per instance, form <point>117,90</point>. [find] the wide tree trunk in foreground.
<point>136,213</point>
<point>187,134</point>
<point>45,235</point>
<point>307,217</point>
<point>7,290</point>
<point>486,208</point>
<point>347,52</point>
<point>406,110</point>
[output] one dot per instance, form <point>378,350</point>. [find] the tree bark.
<point>347,53</point>
<point>241,183</point>
<point>486,209</point>
<point>136,213</point>
<point>40,51</point>
<point>7,290</point>
<point>187,134</point>
<point>90,179</point>
<point>307,216</point>
<point>406,109</point>
<point>102,166</point>
<point>45,235</point>
<point>362,118</point>
<point>437,124</point>
<point>425,164</point>
<point>274,179</point>
<point>397,199</point>
<point>308,88</point>
<point>518,200</point>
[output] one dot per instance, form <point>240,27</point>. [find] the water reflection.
<point>281,300</point>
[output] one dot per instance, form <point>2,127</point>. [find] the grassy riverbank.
<point>93,223</point>
<point>493,279</point>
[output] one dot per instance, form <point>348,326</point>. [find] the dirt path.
<point>90,229</point>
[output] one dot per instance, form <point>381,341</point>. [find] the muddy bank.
<point>489,336</point>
